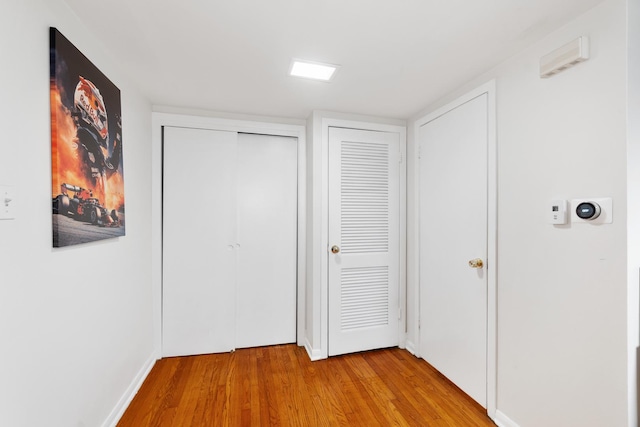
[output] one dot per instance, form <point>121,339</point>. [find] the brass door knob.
<point>476,263</point>
<point>335,249</point>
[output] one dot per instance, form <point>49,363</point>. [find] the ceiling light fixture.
<point>312,70</point>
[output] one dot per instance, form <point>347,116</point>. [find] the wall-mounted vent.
<point>564,57</point>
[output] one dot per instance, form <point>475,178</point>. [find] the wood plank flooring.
<point>280,386</point>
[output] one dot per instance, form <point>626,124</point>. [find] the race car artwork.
<point>86,149</point>
<point>82,206</point>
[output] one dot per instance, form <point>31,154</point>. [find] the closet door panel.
<point>267,240</point>
<point>199,236</point>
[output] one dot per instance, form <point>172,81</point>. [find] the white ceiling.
<point>397,57</point>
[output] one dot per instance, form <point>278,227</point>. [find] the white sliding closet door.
<point>229,241</point>
<point>267,235</point>
<point>199,236</point>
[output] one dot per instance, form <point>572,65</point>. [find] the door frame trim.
<point>489,89</point>
<point>158,121</point>
<point>326,123</point>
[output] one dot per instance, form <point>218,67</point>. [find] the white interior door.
<point>364,208</point>
<point>267,240</point>
<point>453,231</point>
<point>199,237</point>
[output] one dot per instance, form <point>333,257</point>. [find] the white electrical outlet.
<point>7,202</point>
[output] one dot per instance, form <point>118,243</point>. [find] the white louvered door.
<point>364,211</point>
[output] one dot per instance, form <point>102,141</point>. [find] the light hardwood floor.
<point>280,386</point>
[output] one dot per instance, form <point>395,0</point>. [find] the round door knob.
<point>335,249</point>
<point>476,263</point>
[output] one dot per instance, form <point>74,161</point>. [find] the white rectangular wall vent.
<point>564,57</point>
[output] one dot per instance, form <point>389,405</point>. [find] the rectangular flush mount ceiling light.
<point>312,70</point>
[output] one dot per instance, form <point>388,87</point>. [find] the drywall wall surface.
<point>75,322</point>
<point>562,290</point>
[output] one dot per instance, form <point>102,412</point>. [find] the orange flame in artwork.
<point>115,195</point>
<point>66,158</point>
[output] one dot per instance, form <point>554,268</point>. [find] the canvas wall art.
<point>86,149</point>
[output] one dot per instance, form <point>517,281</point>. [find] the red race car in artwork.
<point>82,206</point>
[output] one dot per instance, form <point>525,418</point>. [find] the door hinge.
<point>400,157</point>
<point>419,151</point>
<point>399,314</point>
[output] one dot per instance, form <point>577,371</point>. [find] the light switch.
<point>7,202</point>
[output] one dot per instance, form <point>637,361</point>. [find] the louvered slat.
<point>365,297</point>
<point>364,197</point>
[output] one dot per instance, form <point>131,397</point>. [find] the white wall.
<point>75,322</point>
<point>562,291</point>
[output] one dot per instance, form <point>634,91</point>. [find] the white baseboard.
<point>411,347</point>
<point>314,354</point>
<point>502,420</point>
<point>129,394</point>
